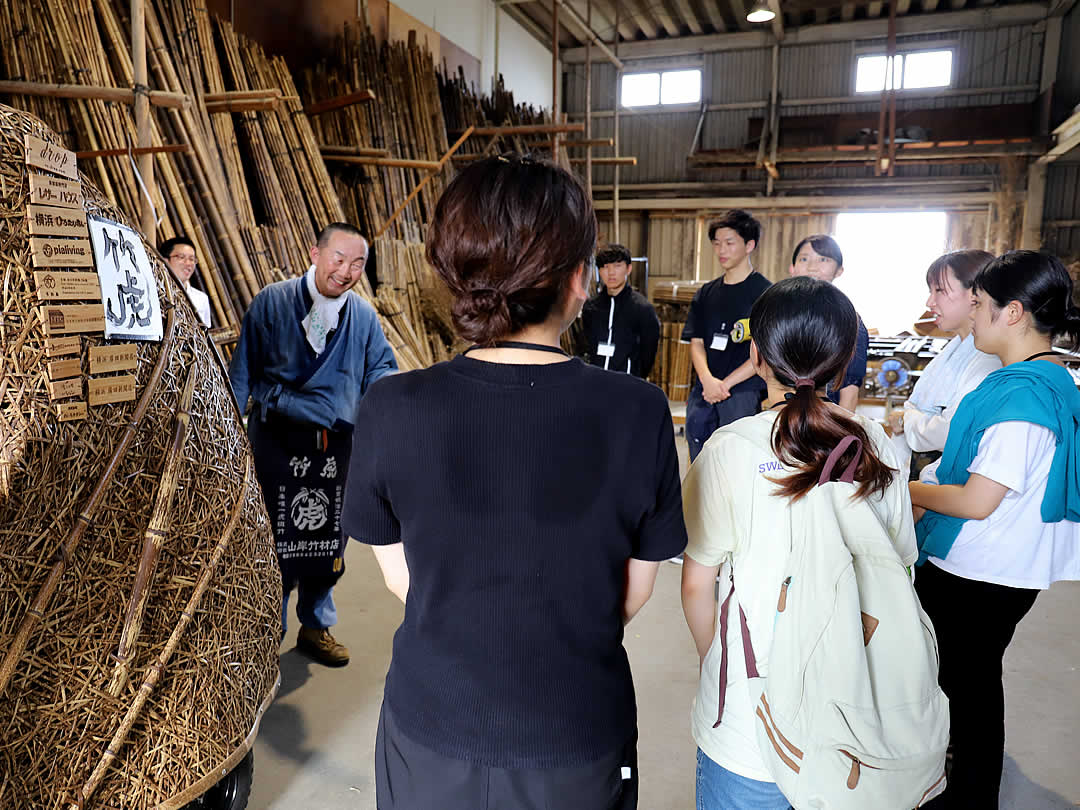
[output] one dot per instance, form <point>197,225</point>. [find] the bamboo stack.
<point>463,107</point>
<point>671,372</point>
<point>404,123</point>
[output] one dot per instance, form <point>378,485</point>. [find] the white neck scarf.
<point>324,315</point>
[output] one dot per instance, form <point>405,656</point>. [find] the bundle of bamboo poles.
<point>413,304</point>
<point>671,371</point>
<point>378,152</point>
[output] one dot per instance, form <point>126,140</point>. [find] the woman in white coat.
<point>923,423</point>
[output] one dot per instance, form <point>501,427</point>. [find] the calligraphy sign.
<point>44,155</point>
<point>55,285</point>
<point>113,358</point>
<point>128,288</point>
<point>45,190</point>
<point>112,389</point>
<point>51,220</point>
<point>48,251</point>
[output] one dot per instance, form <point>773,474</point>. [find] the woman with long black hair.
<point>737,502</point>
<point>519,502</point>
<point>1002,523</point>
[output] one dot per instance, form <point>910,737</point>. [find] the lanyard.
<point>517,344</point>
<point>1040,354</point>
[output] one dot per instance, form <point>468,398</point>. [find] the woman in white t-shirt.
<point>735,501</point>
<point>923,422</point>
<point>1002,524</point>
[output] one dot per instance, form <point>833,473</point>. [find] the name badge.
<point>719,342</point>
<point>606,349</point>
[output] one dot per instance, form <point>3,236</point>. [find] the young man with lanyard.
<point>620,324</point>
<point>309,348</point>
<point>819,257</point>
<point>726,387</point>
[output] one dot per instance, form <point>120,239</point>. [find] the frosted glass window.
<point>680,87</point>
<point>929,69</point>
<point>640,89</point>
<point>871,73</point>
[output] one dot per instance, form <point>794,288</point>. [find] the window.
<point>910,71</point>
<point>667,87</point>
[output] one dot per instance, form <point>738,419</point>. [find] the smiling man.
<point>309,348</point>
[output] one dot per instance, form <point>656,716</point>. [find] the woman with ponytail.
<point>1001,524</point>
<point>736,498</point>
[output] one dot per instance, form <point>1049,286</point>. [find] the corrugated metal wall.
<point>1067,92</point>
<point>1010,56</point>
<point>1062,206</point>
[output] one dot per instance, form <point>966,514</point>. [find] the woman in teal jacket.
<point>1002,522</point>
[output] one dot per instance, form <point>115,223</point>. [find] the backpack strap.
<point>748,650</point>
<point>834,457</point>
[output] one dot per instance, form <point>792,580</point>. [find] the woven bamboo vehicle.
<point>139,593</point>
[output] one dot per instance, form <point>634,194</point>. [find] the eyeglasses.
<point>184,258</point>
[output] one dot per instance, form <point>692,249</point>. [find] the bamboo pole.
<point>170,148</point>
<point>160,523</point>
<point>588,141</point>
<point>347,100</point>
<point>362,151</point>
<point>393,163</point>
<point>120,95</point>
<point>145,162</point>
<point>625,160</point>
<point>526,129</point>
<point>422,183</point>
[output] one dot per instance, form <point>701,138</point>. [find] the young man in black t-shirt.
<point>726,387</point>
<point>621,327</point>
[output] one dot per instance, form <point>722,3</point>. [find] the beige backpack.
<point>850,715</point>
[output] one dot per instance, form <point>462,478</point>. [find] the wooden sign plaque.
<point>44,155</point>
<point>58,347</point>
<point>120,357</point>
<point>112,389</point>
<point>71,411</point>
<point>48,251</point>
<point>46,190</point>
<point>62,389</point>
<point>56,285</point>
<point>61,369</point>
<point>68,318</point>
<point>49,220</point>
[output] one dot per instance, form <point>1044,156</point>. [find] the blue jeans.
<point>720,789</point>
<point>315,602</point>
<point>703,418</point>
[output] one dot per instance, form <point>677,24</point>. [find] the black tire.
<point>232,792</point>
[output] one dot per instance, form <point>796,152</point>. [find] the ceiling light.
<point>760,12</point>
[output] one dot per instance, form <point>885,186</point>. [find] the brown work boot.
<point>322,646</point>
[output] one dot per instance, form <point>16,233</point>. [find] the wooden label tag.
<point>45,190</point>
<point>71,411</point>
<point>58,347</point>
<point>112,389</point>
<point>53,285</point>
<point>50,157</point>
<point>60,369</point>
<point>48,220</point>
<point>59,320</point>
<point>62,389</point>
<point>49,251</point>
<point>122,357</point>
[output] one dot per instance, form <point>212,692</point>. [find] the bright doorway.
<point>885,260</point>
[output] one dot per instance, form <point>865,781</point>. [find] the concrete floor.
<point>316,746</point>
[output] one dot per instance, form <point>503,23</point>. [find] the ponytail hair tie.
<point>799,383</point>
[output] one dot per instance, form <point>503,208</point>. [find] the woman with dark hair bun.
<point>1002,524</point>
<point>956,371</point>
<point>518,502</point>
<point>737,504</point>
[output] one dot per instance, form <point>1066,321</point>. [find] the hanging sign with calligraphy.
<point>128,289</point>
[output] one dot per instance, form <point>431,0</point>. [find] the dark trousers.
<point>704,418</point>
<point>974,622</point>
<point>409,776</point>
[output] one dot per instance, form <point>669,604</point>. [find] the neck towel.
<point>1038,392</point>
<point>933,392</point>
<point>322,318</point>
